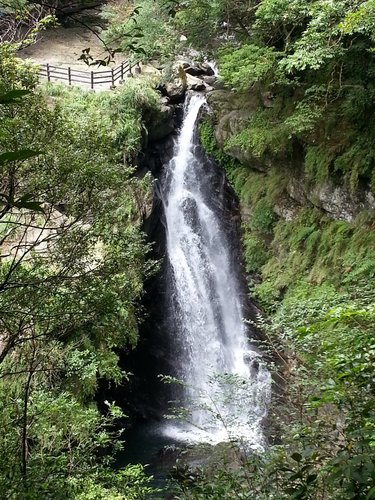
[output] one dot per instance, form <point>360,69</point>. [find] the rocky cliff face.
<point>231,114</point>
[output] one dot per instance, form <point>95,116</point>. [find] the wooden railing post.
<point>111,75</point>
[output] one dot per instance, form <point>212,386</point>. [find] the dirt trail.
<point>63,46</point>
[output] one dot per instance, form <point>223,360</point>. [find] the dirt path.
<point>63,46</point>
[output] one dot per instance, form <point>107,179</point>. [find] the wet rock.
<point>267,99</point>
<point>296,189</point>
<point>195,84</point>
<point>209,89</point>
<point>183,61</point>
<point>212,457</point>
<point>157,65</point>
<point>197,87</point>
<point>164,101</point>
<point>175,92</point>
<point>208,70</point>
<point>162,124</point>
<point>287,209</point>
<point>210,80</point>
<point>233,112</point>
<point>339,202</point>
<point>194,71</point>
<point>203,69</point>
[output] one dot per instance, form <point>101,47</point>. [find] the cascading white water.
<point>226,386</point>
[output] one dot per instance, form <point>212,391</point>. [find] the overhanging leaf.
<point>29,205</point>
<point>13,96</point>
<point>22,154</point>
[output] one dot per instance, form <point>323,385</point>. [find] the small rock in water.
<point>210,80</point>
<point>197,87</point>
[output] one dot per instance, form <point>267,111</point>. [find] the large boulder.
<point>339,201</point>
<point>203,69</point>
<point>194,83</point>
<point>161,124</point>
<point>175,92</point>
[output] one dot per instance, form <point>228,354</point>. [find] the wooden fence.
<point>91,78</point>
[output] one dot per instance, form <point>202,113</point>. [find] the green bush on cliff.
<point>262,217</point>
<point>241,68</point>
<point>317,248</point>
<point>119,116</point>
<point>208,141</point>
<point>316,61</point>
<point>256,253</point>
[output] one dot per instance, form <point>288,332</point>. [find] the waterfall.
<point>226,386</point>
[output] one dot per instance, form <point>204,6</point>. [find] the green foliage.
<point>256,253</point>
<point>326,415</point>
<point>321,249</point>
<point>241,68</point>
<point>207,25</point>
<point>119,116</point>
<point>311,245</point>
<point>331,330</point>
<point>72,269</point>
<point>316,62</point>
<point>262,217</point>
<point>317,164</point>
<point>270,132</point>
<point>209,144</point>
<point>360,20</point>
<point>23,21</point>
<point>142,29</point>
<point>130,483</point>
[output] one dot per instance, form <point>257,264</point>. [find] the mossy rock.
<point>232,112</point>
<point>211,457</point>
